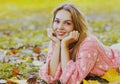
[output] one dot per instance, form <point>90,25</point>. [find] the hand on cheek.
<point>72,37</point>
<point>51,35</point>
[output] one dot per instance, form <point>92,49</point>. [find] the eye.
<point>68,23</point>
<point>56,21</point>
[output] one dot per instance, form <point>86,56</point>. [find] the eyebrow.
<point>65,20</point>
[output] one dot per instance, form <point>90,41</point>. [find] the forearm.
<point>55,60</point>
<point>65,57</point>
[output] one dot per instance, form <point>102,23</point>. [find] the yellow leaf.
<point>112,76</point>
<point>14,51</point>
<point>22,58</point>
<point>93,82</point>
<point>9,81</point>
<point>14,78</point>
<point>85,82</point>
<point>45,49</point>
<point>9,52</point>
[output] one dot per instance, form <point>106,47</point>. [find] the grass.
<point>24,22</point>
<point>25,19</point>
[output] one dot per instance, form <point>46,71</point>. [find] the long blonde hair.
<point>79,21</point>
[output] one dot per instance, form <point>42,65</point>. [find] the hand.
<point>72,37</point>
<point>51,35</point>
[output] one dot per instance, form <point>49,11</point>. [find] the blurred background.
<point>25,21</point>
<point>23,24</point>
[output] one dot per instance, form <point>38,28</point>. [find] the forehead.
<point>63,14</point>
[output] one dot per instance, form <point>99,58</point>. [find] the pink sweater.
<point>92,58</point>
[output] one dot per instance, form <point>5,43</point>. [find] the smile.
<point>61,33</point>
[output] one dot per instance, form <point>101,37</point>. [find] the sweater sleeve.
<point>44,72</point>
<point>78,70</point>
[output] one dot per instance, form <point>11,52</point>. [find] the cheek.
<point>54,27</point>
<point>72,29</point>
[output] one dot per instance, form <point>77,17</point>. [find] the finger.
<point>78,34</point>
<point>50,33</point>
<point>75,35</point>
<point>67,34</point>
<point>71,33</point>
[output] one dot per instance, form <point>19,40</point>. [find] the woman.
<point>73,54</point>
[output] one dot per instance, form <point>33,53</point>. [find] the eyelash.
<point>59,22</point>
<point>67,23</point>
<point>56,21</point>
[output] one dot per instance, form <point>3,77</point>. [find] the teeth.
<point>61,33</point>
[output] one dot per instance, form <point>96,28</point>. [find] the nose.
<point>60,26</point>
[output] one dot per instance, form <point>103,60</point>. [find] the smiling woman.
<point>73,53</point>
<point>22,21</point>
<point>62,24</point>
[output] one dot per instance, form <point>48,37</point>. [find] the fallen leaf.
<point>45,50</point>
<point>85,82</point>
<point>14,51</point>
<point>112,76</point>
<point>90,82</point>
<point>9,52</point>
<point>15,72</point>
<point>37,50</point>
<point>93,82</point>
<point>11,82</point>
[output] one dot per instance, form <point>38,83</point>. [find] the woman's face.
<point>62,24</point>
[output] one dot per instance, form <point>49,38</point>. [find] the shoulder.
<point>90,40</point>
<point>90,43</point>
<point>88,46</point>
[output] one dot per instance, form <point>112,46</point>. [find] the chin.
<point>60,38</point>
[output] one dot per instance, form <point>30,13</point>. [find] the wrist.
<point>63,44</point>
<point>57,44</point>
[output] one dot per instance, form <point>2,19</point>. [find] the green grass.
<point>27,20</point>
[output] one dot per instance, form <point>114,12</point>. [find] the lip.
<point>61,33</point>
